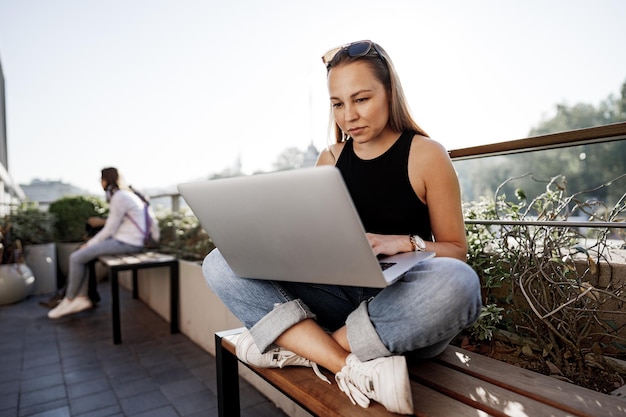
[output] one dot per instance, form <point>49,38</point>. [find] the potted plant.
<point>16,279</point>
<point>71,215</point>
<point>34,228</point>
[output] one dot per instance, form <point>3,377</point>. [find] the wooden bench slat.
<point>430,403</point>
<point>131,259</point>
<point>479,394</point>
<point>561,394</point>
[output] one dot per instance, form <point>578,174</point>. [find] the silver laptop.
<point>297,225</point>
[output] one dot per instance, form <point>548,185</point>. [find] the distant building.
<point>45,192</point>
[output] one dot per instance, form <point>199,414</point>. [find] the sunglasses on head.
<point>354,50</point>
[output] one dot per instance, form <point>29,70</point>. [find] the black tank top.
<point>381,191</point>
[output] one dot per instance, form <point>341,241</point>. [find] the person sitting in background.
<point>123,232</point>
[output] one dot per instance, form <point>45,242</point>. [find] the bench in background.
<point>135,262</point>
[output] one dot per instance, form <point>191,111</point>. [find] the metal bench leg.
<point>227,381</point>
<point>92,292</point>
<point>135,285</point>
<point>115,307</point>
<point>174,296</point>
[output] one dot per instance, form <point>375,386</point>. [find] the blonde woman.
<point>407,195</point>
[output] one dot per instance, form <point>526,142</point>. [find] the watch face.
<point>418,243</point>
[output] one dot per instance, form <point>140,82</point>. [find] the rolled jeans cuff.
<point>362,336</point>
<point>276,322</point>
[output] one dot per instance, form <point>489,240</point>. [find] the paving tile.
<point>110,411</point>
<point>170,374</point>
<point>85,374</point>
<point>42,407</point>
<point>10,363</point>
<point>182,388</point>
<point>93,402</point>
<point>70,367</point>
<point>39,359</point>
<point>167,411</point>
<point>9,400</point>
<point>42,396</point>
<point>143,402</point>
<point>9,387</point>
<point>132,388</point>
<point>37,383</point>
<point>195,402</point>
<point>63,411</point>
<point>88,387</point>
<point>41,371</point>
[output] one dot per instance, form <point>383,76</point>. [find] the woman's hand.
<point>95,221</point>
<point>389,244</point>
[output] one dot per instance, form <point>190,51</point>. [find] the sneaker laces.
<point>384,380</point>
<point>282,358</point>
<point>279,358</point>
<point>347,386</point>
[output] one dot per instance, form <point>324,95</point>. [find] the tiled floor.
<point>70,367</point>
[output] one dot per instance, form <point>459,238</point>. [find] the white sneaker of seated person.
<point>384,380</point>
<point>248,352</point>
<point>67,307</point>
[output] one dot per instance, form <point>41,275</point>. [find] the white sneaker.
<point>248,352</point>
<point>68,306</point>
<point>385,380</point>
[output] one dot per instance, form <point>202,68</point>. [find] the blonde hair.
<point>400,118</point>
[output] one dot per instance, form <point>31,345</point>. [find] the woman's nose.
<point>350,113</point>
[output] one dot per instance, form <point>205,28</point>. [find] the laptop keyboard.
<point>385,265</point>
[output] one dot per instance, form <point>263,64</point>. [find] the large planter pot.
<point>42,260</point>
<point>16,283</point>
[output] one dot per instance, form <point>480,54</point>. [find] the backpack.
<point>151,233</point>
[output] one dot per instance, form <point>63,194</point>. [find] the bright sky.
<point>170,91</point>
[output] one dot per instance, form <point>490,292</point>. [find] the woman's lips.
<point>356,131</point>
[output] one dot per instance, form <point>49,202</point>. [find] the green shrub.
<point>31,225</point>
<point>72,213</point>
<point>182,235</point>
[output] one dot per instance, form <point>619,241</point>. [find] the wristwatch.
<point>417,243</point>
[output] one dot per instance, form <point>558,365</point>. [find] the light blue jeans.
<point>78,274</point>
<point>420,313</point>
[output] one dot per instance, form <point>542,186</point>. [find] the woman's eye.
<point>336,105</point>
<point>361,99</point>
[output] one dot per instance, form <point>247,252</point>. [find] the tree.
<point>293,157</point>
<point>583,115</point>
<point>584,166</point>
<point>288,159</point>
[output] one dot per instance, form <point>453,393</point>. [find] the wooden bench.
<point>456,383</point>
<point>135,262</point>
